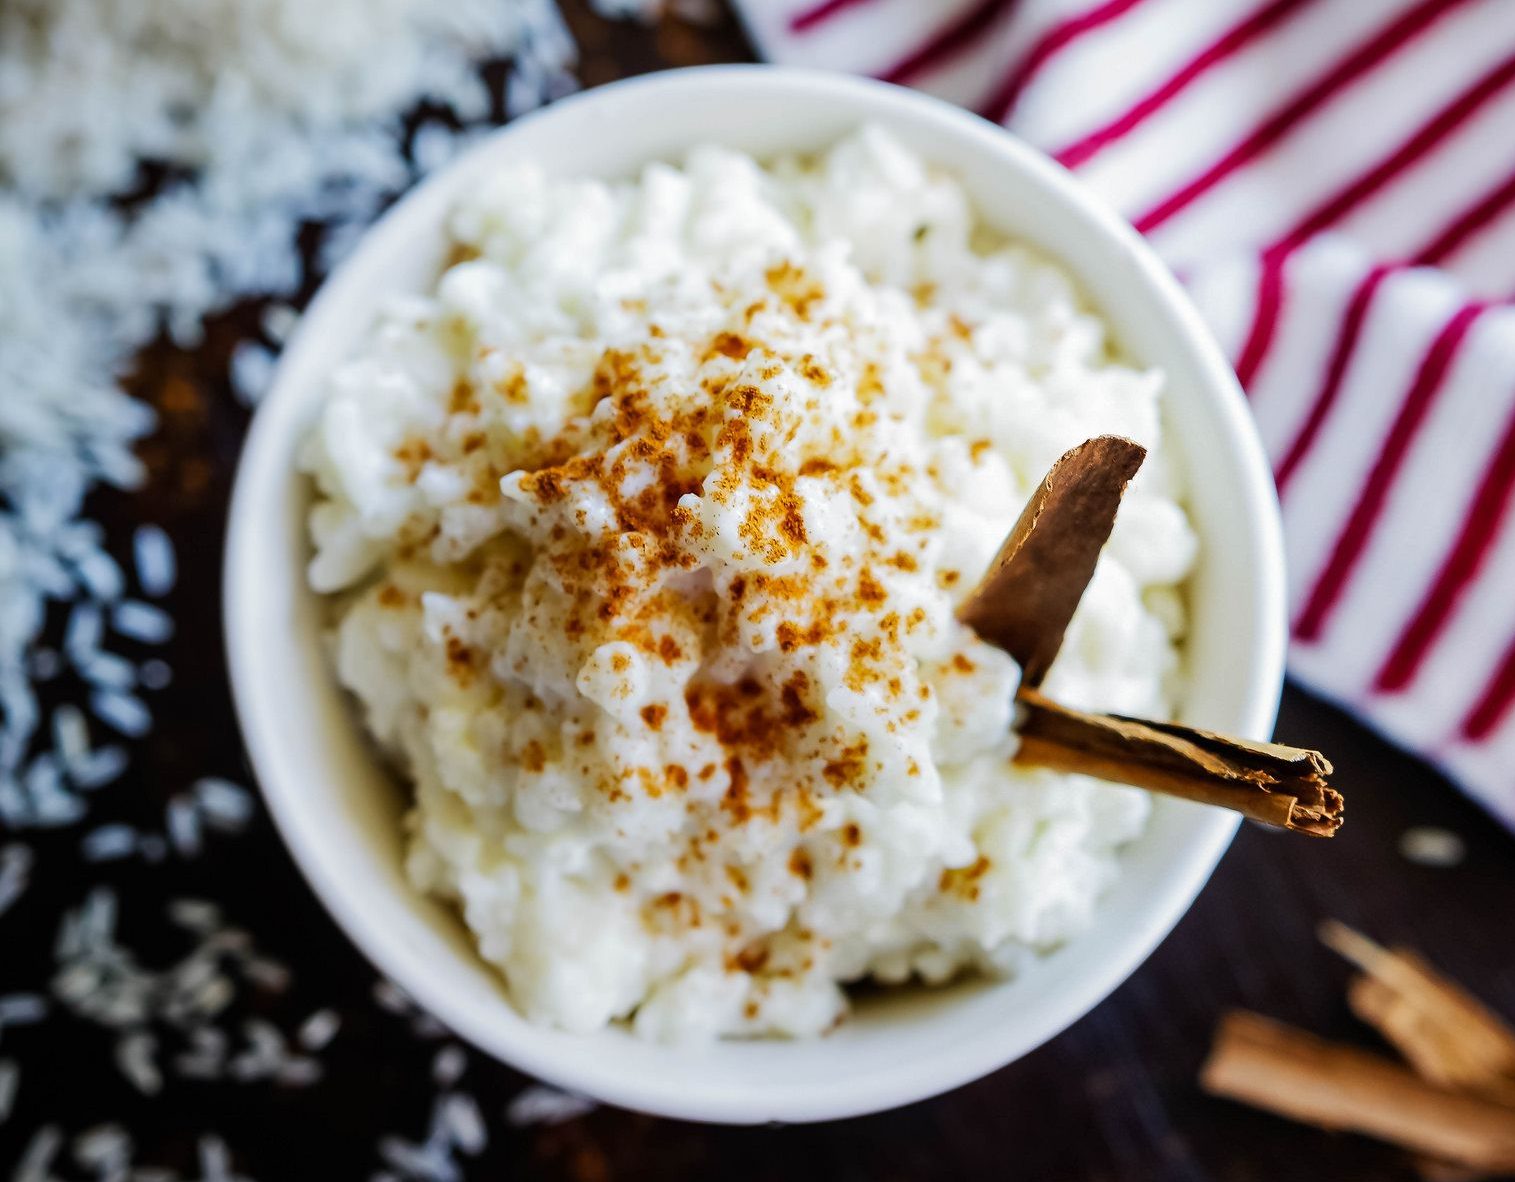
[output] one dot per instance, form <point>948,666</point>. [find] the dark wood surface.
<point>1114,1097</point>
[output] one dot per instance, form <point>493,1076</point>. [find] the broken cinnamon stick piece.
<point>1284,787</point>
<point>1273,1066</point>
<point>1447,1034</point>
<point>1033,586</point>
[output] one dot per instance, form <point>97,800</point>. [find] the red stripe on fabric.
<point>1494,703</point>
<point>801,22</point>
<point>1233,41</point>
<point>952,39</point>
<point>1270,293</point>
<point>1347,338</point>
<point>1336,369</point>
<point>1354,536</point>
<point>1491,505</point>
<point>1430,136</point>
<point>1478,216</point>
<point>1425,139</point>
<point>1000,103</point>
<point>1370,54</point>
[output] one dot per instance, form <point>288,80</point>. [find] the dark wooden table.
<point>1112,1098</point>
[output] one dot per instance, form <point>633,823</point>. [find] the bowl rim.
<point>258,469</point>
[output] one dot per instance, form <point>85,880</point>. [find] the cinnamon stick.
<point>1447,1035</point>
<point>1280,786</point>
<point>1033,586</point>
<point>1284,1070</point>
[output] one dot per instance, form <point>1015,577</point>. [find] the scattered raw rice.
<point>15,873</point>
<point>429,1162</point>
<point>539,1104</point>
<point>103,766</point>
<point>36,1162</point>
<point>154,674</point>
<point>195,915</point>
<point>22,1009</point>
<point>136,620</point>
<point>183,821</point>
<point>318,1029</point>
<point>108,670</point>
<point>448,1066</point>
<point>464,1124</point>
<point>10,1080</point>
<point>391,997</point>
<point>153,557</point>
<point>274,113</point>
<point>252,370</point>
<point>122,711</point>
<point>215,1159</point>
<point>108,843</point>
<point>103,1148</point>
<point>70,735</point>
<point>1440,849</point>
<point>278,321</point>
<point>223,804</point>
<point>134,1056</point>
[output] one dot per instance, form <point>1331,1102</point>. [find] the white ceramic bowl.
<point>340,813</point>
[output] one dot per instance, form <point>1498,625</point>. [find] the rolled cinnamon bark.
<point>1275,785</point>
<point>1034,584</point>
<point>1446,1034</point>
<point>1273,1066</point>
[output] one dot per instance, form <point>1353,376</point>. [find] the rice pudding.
<point>644,533</point>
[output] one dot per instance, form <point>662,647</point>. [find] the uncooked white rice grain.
<point>15,809</point>
<point>278,321</point>
<point>298,1072</point>
<point>183,822</point>
<point>10,1080</point>
<point>100,575</point>
<point>153,556</point>
<point>70,735</point>
<point>448,1066</point>
<point>103,766</point>
<point>318,1029</point>
<point>464,1124</point>
<point>269,974</point>
<point>22,1009</point>
<point>36,1163</point>
<point>425,1163</point>
<point>46,664</point>
<point>107,670</point>
<point>153,848</point>
<point>1439,849</point>
<point>107,843</point>
<point>134,1056</point>
<point>122,712</point>
<point>195,915</point>
<point>103,1147</point>
<point>215,1159</point>
<point>225,805</point>
<point>15,873</point>
<point>391,997</point>
<point>136,620</point>
<point>252,370</point>
<point>154,674</point>
<point>83,632</point>
<point>537,1104</point>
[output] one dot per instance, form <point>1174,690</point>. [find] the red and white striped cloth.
<point>1335,181</point>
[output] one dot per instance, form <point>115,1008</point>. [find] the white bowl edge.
<point>335,813</point>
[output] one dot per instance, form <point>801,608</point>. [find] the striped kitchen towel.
<point>1335,181</point>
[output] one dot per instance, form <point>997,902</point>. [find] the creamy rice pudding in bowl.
<point>592,576</point>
